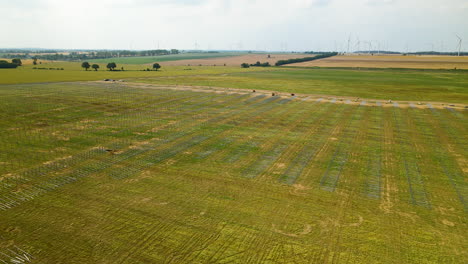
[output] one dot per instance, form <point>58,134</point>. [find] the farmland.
<point>73,72</point>
<point>405,85</point>
<point>236,60</point>
<point>156,170</point>
<point>390,61</point>
<point>162,58</point>
<point>416,85</point>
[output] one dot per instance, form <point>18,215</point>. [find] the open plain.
<point>179,166</point>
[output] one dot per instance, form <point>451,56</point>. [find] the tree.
<point>17,62</point>
<point>35,60</point>
<point>95,67</point>
<point>6,65</point>
<point>245,65</point>
<point>174,51</point>
<point>85,65</point>
<point>156,66</point>
<point>111,66</point>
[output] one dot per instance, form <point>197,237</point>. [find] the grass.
<point>73,72</point>
<point>439,86</point>
<point>97,173</point>
<point>406,85</point>
<point>175,57</point>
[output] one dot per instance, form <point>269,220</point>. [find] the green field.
<point>406,85</point>
<point>415,85</point>
<point>158,170</point>
<point>110,173</point>
<point>162,58</point>
<point>73,72</point>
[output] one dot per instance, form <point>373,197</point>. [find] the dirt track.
<point>352,100</point>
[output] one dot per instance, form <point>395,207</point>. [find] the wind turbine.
<point>370,45</point>
<point>349,42</point>
<point>358,45</point>
<point>459,44</point>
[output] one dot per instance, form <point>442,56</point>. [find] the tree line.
<point>76,56</point>
<point>10,65</point>
<point>111,66</point>
<point>257,64</point>
<point>318,57</point>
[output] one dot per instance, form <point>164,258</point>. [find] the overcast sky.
<point>403,25</point>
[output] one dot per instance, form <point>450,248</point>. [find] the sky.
<point>273,25</point>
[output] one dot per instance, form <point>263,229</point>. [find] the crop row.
<point>410,162</point>
<point>52,184</point>
<point>26,137</point>
<point>446,163</point>
<point>373,151</point>
<point>95,139</point>
<point>156,156</point>
<point>331,177</point>
<point>277,147</point>
<point>312,139</point>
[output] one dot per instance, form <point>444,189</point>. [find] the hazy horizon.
<point>296,25</point>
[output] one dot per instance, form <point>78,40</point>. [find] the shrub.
<point>6,65</point>
<point>17,62</point>
<point>322,56</point>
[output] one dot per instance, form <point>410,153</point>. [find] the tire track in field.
<point>448,165</point>
<point>195,243</point>
<point>331,177</point>
<point>147,147</point>
<point>324,142</point>
<point>372,183</point>
<point>9,202</point>
<point>259,111</point>
<point>259,106</point>
<point>306,153</point>
<point>224,139</point>
<point>410,163</point>
<point>53,167</point>
<point>135,108</point>
<point>274,147</point>
<point>390,167</point>
<point>54,128</point>
<point>291,152</point>
<point>265,123</point>
<point>453,129</point>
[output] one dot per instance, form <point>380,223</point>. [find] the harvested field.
<point>390,61</point>
<point>137,173</point>
<point>236,60</point>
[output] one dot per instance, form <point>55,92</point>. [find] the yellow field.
<point>390,61</point>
